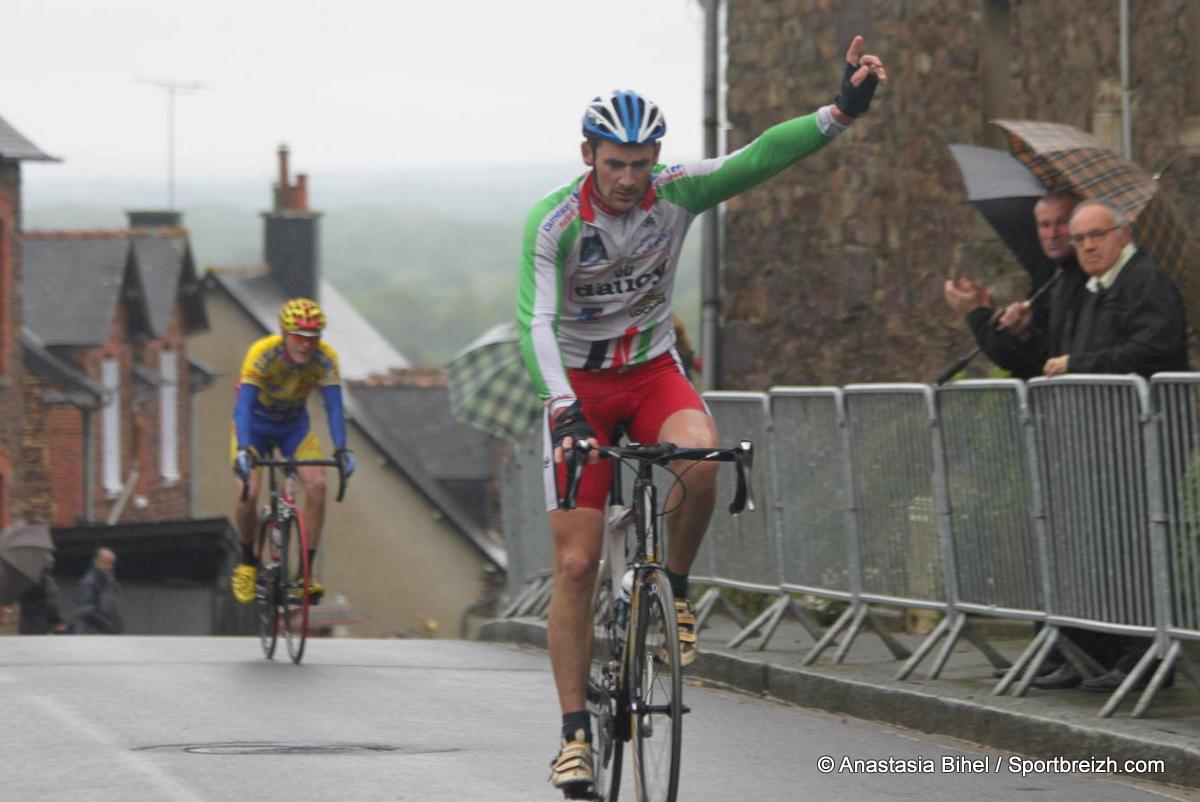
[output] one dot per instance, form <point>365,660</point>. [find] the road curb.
<point>1003,723</point>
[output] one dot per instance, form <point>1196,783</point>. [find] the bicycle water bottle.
<point>622,601</point>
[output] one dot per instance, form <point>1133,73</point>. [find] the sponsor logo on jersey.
<point>649,222</point>
<point>648,303</point>
<point>622,285</point>
<point>670,174</point>
<point>589,313</point>
<point>650,242</point>
<point>592,251</point>
<point>560,217</point>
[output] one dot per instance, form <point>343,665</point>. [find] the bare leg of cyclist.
<point>313,479</point>
<point>577,535</point>
<point>246,512</point>
<point>246,517</point>
<point>688,519</point>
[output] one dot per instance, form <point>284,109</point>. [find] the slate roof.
<point>363,351</point>
<point>165,266</point>
<point>70,286</point>
<point>14,146</point>
<point>421,418</point>
<point>71,282</point>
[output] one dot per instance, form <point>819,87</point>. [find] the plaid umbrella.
<point>24,550</point>
<point>489,387</point>
<point>1065,158</point>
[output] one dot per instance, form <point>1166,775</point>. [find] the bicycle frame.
<point>623,696</point>
<point>274,588</point>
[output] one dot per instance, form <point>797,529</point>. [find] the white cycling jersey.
<point>595,288</point>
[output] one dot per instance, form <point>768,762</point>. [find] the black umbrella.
<point>1005,191</point>
<point>24,550</point>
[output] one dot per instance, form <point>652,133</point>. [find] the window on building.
<point>168,416</point>
<point>110,425</point>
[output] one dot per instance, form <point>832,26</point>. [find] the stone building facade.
<point>832,272</point>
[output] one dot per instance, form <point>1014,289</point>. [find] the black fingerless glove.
<point>853,100</point>
<point>571,423</point>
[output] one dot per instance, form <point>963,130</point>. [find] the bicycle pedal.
<point>684,709</point>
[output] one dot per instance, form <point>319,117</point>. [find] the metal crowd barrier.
<point>1177,399</point>
<point>1098,476</point>
<point>527,533</point>
<point>982,486</point>
<point>740,552</point>
<point>1072,501</point>
<point>814,514</point>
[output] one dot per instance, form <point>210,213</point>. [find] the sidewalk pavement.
<point>959,704</point>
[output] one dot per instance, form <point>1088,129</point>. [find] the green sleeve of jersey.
<point>539,300</point>
<point>712,181</point>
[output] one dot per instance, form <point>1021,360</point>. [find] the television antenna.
<point>172,89</point>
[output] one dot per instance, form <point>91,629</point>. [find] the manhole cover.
<point>276,748</point>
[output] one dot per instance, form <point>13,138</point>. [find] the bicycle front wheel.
<point>656,692</point>
<point>606,699</point>
<point>297,580</point>
<point>266,589</point>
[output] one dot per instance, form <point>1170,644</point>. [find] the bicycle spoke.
<point>603,698</point>
<point>656,721</point>
<point>296,580</point>
<point>264,593</point>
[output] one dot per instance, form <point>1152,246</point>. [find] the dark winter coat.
<point>1136,326</point>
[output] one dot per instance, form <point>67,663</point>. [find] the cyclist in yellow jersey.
<point>278,374</point>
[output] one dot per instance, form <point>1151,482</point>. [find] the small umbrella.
<point>1062,157</point>
<point>1004,192</point>
<point>24,550</point>
<point>490,388</point>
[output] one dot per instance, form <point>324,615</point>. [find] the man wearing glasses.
<point>1131,319</point>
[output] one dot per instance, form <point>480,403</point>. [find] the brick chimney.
<point>290,242</point>
<point>154,218</point>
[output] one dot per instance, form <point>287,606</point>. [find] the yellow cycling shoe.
<point>315,590</point>
<point>243,583</point>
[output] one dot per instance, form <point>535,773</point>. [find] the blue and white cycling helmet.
<point>624,117</point>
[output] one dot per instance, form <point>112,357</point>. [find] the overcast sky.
<point>350,85</point>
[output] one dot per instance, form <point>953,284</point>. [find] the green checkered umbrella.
<point>1065,158</point>
<point>489,387</point>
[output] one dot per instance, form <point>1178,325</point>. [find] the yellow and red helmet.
<point>301,316</point>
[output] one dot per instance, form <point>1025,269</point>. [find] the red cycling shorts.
<point>642,398</point>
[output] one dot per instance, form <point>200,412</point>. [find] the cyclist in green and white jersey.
<point>594,317</point>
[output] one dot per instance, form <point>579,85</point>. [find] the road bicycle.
<point>635,687</point>
<point>283,578</point>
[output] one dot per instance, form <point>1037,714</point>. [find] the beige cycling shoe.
<point>571,772</point>
<point>685,620</point>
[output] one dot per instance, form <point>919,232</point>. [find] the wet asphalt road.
<point>209,719</point>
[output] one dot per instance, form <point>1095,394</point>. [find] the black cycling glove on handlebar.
<point>853,100</point>
<point>570,423</point>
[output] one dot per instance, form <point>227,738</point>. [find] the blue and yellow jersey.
<point>283,386</point>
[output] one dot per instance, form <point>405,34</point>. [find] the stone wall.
<point>833,270</point>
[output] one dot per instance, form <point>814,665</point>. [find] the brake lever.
<point>743,499</point>
<point>574,458</point>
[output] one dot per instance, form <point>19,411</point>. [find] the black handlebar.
<point>290,464</point>
<point>741,455</point>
